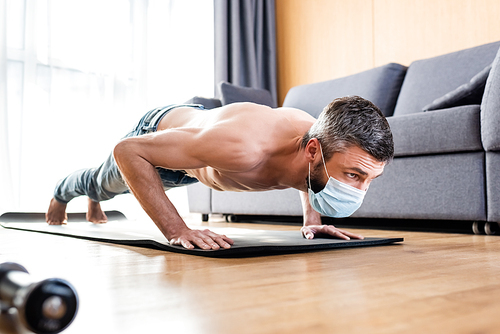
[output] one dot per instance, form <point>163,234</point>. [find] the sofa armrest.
<point>490,109</point>
<point>441,131</point>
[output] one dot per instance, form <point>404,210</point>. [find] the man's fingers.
<point>344,234</point>
<point>190,242</point>
<point>205,239</point>
<point>205,243</point>
<point>336,233</point>
<point>228,240</point>
<point>350,234</point>
<point>224,241</point>
<point>309,232</point>
<point>184,243</point>
<point>220,239</point>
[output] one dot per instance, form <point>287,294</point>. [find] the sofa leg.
<point>478,227</point>
<point>491,228</point>
<point>231,218</point>
<point>204,217</point>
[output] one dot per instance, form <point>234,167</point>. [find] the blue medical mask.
<point>337,199</point>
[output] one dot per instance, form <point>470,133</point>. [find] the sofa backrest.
<point>380,85</point>
<point>429,79</point>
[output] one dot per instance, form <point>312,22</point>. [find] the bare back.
<point>251,146</point>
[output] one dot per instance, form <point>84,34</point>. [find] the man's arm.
<point>314,227</point>
<point>137,158</point>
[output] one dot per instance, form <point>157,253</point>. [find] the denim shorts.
<point>105,182</point>
<point>150,121</point>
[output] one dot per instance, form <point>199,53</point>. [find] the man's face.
<point>354,167</point>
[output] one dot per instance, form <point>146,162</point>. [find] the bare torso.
<point>258,144</point>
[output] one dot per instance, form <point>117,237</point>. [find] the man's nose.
<point>363,185</point>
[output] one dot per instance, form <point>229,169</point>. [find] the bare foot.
<point>56,215</point>
<point>95,213</point>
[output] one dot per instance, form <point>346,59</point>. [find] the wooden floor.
<point>431,283</point>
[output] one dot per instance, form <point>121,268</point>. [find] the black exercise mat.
<point>119,230</point>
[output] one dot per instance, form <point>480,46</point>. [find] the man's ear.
<point>312,149</point>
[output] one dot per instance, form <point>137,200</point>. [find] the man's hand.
<point>313,227</point>
<point>205,239</point>
<point>310,231</point>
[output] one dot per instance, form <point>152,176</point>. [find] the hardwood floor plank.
<point>431,283</point>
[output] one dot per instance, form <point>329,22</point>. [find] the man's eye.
<point>352,175</point>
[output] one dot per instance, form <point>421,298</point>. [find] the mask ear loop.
<point>310,176</point>
<point>322,157</point>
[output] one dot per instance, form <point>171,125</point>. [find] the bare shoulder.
<point>296,114</point>
<point>298,119</point>
<point>254,111</point>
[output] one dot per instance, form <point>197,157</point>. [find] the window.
<point>78,74</point>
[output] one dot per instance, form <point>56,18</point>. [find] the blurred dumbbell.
<point>47,306</point>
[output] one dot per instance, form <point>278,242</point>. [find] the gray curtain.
<point>245,43</point>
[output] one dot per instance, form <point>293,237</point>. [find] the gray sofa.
<point>447,160</point>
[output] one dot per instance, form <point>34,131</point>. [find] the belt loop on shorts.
<point>149,121</point>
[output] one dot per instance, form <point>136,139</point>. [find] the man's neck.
<point>292,169</point>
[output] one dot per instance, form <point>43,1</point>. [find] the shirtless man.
<point>240,147</point>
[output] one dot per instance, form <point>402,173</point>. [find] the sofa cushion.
<point>380,85</point>
<point>444,186</point>
<point>208,103</point>
<point>468,93</point>
<point>442,131</point>
<point>230,93</point>
<point>428,79</point>
<point>490,109</point>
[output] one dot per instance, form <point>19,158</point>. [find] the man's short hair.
<point>349,121</point>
